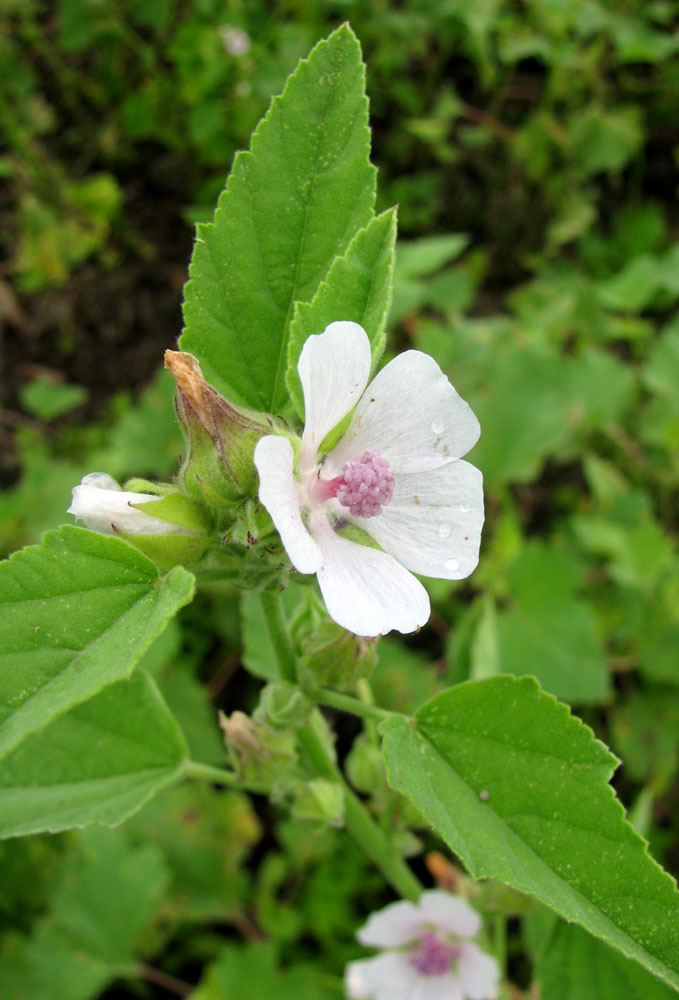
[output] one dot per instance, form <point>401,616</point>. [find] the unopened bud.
<point>336,658</point>
<point>220,436</point>
<point>319,802</point>
<point>365,767</point>
<point>170,528</point>
<point>283,706</point>
<point>259,754</point>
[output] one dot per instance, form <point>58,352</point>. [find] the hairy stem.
<point>278,634</point>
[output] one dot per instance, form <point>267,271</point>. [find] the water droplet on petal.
<point>437,427</point>
<point>464,510</point>
<point>444,531</point>
<point>452,565</point>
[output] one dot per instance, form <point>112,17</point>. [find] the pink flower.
<point>429,953</point>
<point>395,475</point>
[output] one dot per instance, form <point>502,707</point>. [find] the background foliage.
<point>532,149</point>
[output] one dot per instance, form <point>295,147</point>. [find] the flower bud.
<point>319,802</point>
<point>220,437</point>
<point>259,754</point>
<point>171,528</point>
<point>365,767</point>
<point>283,706</point>
<point>337,658</point>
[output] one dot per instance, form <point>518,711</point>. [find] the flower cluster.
<point>395,474</point>
<point>428,956</point>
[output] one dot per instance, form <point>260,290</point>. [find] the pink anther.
<point>431,955</point>
<point>366,485</point>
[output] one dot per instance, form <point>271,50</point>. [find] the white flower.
<point>395,473</point>
<point>103,506</point>
<point>429,957</point>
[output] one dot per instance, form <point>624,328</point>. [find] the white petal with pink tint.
<point>413,415</point>
<point>450,913</point>
<point>281,496</point>
<point>433,523</point>
<point>396,924</point>
<point>367,591</point>
<point>478,973</point>
<point>386,977</point>
<point>334,368</point>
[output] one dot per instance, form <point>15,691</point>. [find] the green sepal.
<point>319,802</point>
<point>260,755</point>
<point>220,437</point>
<point>283,706</point>
<point>333,657</point>
<point>167,551</point>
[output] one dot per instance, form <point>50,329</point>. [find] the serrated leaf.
<point>358,288</point>
<point>517,787</point>
<point>108,893</point>
<point>292,204</point>
<point>256,965</point>
<point>78,611</point>
<point>205,836</point>
<point>97,764</point>
<point>547,631</point>
<point>575,966</point>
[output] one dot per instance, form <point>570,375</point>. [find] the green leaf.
<point>605,140</point>
<point>256,965</point>
<point>358,288</point>
<point>78,611</point>
<point>517,787</point>
<point>46,399</point>
<point>205,835</point>
<point>575,966</point>
<point>547,631</point>
<point>97,764</point>
<point>108,893</point>
<point>292,204</point>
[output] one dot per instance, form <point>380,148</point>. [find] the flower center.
<point>365,486</point>
<point>432,955</point>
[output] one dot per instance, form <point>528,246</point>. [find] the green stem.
<point>278,634</point>
<point>360,823</point>
<point>345,703</point>
<point>220,776</point>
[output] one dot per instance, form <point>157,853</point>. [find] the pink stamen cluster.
<point>431,955</point>
<point>366,484</point>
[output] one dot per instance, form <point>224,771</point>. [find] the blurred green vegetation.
<point>533,150</point>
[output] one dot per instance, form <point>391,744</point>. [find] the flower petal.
<point>385,977</point>
<point>444,987</point>
<point>413,415</point>
<point>394,925</point>
<point>477,973</point>
<point>110,510</point>
<point>334,368</point>
<point>365,590</point>
<point>451,914</point>
<point>433,523</point>
<point>280,494</point>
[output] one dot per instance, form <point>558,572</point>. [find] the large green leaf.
<point>518,789</point>
<point>292,204</point>
<point>205,835</point>
<point>575,966</point>
<point>97,764</point>
<point>107,895</point>
<point>77,613</point>
<point>547,631</point>
<point>358,288</point>
<point>256,965</point>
